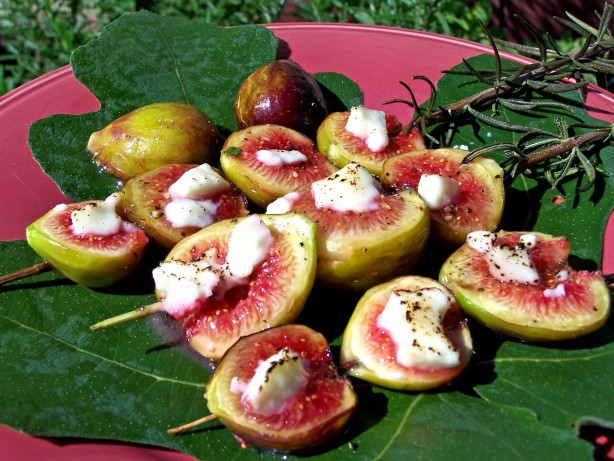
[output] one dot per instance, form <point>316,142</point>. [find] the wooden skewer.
<point>138,313</point>
<point>193,424</point>
<point>27,272</point>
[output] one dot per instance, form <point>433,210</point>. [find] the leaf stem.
<point>191,425</point>
<point>26,272</point>
<point>143,311</point>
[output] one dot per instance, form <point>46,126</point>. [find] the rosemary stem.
<point>592,137</point>
<point>490,95</point>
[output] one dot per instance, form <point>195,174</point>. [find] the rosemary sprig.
<point>560,154</point>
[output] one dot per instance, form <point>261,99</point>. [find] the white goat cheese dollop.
<point>183,284</point>
<point>280,157</point>
<point>277,379</point>
<point>506,263</point>
<point>369,126</point>
<point>352,188</point>
<point>97,218</point>
<point>198,182</point>
<point>414,321</point>
<point>184,212</point>
<point>248,246</point>
<point>481,241</point>
<point>189,205</point>
<point>438,191</point>
<point>282,204</point>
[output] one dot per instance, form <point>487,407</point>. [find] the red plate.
<point>376,58</point>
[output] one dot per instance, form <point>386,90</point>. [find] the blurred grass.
<point>37,36</point>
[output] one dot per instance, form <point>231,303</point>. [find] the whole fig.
<point>281,93</point>
<point>154,135</point>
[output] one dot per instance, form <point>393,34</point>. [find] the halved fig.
<point>88,242</point>
<point>281,93</point>
<point>280,390</point>
<point>521,284</point>
<point>273,293</point>
<point>145,198</point>
<point>268,161</point>
<point>342,146</point>
<point>154,135</point>
<point>407,334</point>
<point>462,197</point>
<point>364,237</point>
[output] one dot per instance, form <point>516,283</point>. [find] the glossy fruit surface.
<point>357,250</point>
<point>144,198</point>
<point>90,260</point>
<point>281,93</point>
<point>319,411</point>
<point>263,183</point>
<point>480,202</point>
<point>369,351</point>
<point>277,289</point>
<point>154,135</point>
<point>562,304</point>
<point>342,147</point>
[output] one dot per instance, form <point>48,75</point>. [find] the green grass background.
<point>37,36</point>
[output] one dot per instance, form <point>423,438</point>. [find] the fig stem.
<point>191,425</point>
<point>26,272</point>
<point>143,311</point>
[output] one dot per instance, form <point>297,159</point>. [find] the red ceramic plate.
<point>377,58</point>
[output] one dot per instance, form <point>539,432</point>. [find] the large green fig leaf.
<point>134,381</point>
<point>563,385</point>
<point>168,59</point>
<point>533,204</point>
<point>140,59</point>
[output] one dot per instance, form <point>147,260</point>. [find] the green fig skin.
<point>521,310</point>
<point>359,250</point>
<point>281,93</point>
<point>154,135</point>
<point>93,261</point>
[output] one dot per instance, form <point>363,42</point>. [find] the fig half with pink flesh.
<point>298,403</point>
<point>281,93</point>
<point>88,259</point>
<point>407,334</point>
<point>274,294</point>
<point>521,284</point>
<point>154,135</point>
<point>340,146</point>
<point>478,196</point>
<point>359,249</point>
<point>264,179</point>
<point>144,199</point>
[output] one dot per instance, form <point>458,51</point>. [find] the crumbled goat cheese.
<point>414,321</point>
